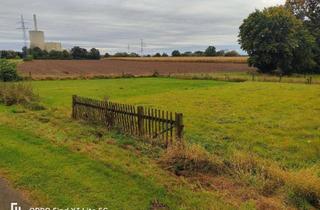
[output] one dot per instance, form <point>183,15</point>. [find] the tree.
<point>309,12</point>
<point>134,55</point>
<point>198,53</point>
<point>210,51</point>
<point>94,54</point>
<point>157,55</point>
<point>232,53</point>
<point>37,53</point>
<point>164,55</point>
<point>121,54</point>
<point>176,53</point>
<point>8,71</point>
<point>66,55</point>
<point>79,53</point>
<point>276,40</point>
<point>9,54</point>
<point>221,53</point>
<point>187,54</point>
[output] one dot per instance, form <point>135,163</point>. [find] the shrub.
<point>17,93</point>
<point>8,71</point>
<point>28,58</point>
<point>187,159</point>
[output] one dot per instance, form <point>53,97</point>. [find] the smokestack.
<point>35,22</point>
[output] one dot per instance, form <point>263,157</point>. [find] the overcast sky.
<point>113,24</point>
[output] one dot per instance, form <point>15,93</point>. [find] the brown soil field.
<point>40,69</point>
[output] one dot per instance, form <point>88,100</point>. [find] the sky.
<point>112,25</point>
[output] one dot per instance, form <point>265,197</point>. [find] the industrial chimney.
<point>36,37</point>
<point>35,22</point>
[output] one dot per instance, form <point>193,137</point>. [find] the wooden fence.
<point>137,121</point>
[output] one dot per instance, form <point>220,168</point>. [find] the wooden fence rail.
<point>137,121</point>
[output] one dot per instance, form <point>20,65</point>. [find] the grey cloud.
<point>112,25</point>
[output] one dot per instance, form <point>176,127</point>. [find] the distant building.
<point>37,39</point>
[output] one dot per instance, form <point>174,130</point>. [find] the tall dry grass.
<point>265,176</point>
<point>19,93</point>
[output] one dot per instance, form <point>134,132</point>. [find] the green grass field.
<point>277,122</point>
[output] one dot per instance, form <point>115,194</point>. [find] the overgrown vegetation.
<point>268,178</point>
<point>19,93</point>
<point>8,71</point>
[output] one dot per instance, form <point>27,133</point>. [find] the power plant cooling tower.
<point>50,46</point>
<point>37,39</point>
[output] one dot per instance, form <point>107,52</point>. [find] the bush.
<point>8,71</point>
<point>28,58</point>
<point>19,93</point>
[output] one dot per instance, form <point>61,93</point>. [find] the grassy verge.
<point>62,170</point>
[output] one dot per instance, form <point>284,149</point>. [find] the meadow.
<point>275,122</point>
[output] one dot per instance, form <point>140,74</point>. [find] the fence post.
<point>179,125</point>
<point>140,120</point>
<point>74,98</point>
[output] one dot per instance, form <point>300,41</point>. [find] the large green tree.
<point>309,12</point>
<point>277,40</point>
<point>210,51</point>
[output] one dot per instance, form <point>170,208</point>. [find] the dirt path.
<point>9,195</point>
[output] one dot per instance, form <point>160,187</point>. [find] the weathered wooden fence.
<point>137,121</point>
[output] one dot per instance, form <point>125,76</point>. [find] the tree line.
<point>76,53</point>
<point>284,39</point>
<point>210,51</point>
<point>79,53</point>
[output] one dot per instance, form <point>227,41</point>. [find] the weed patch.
<point>19,93</point>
